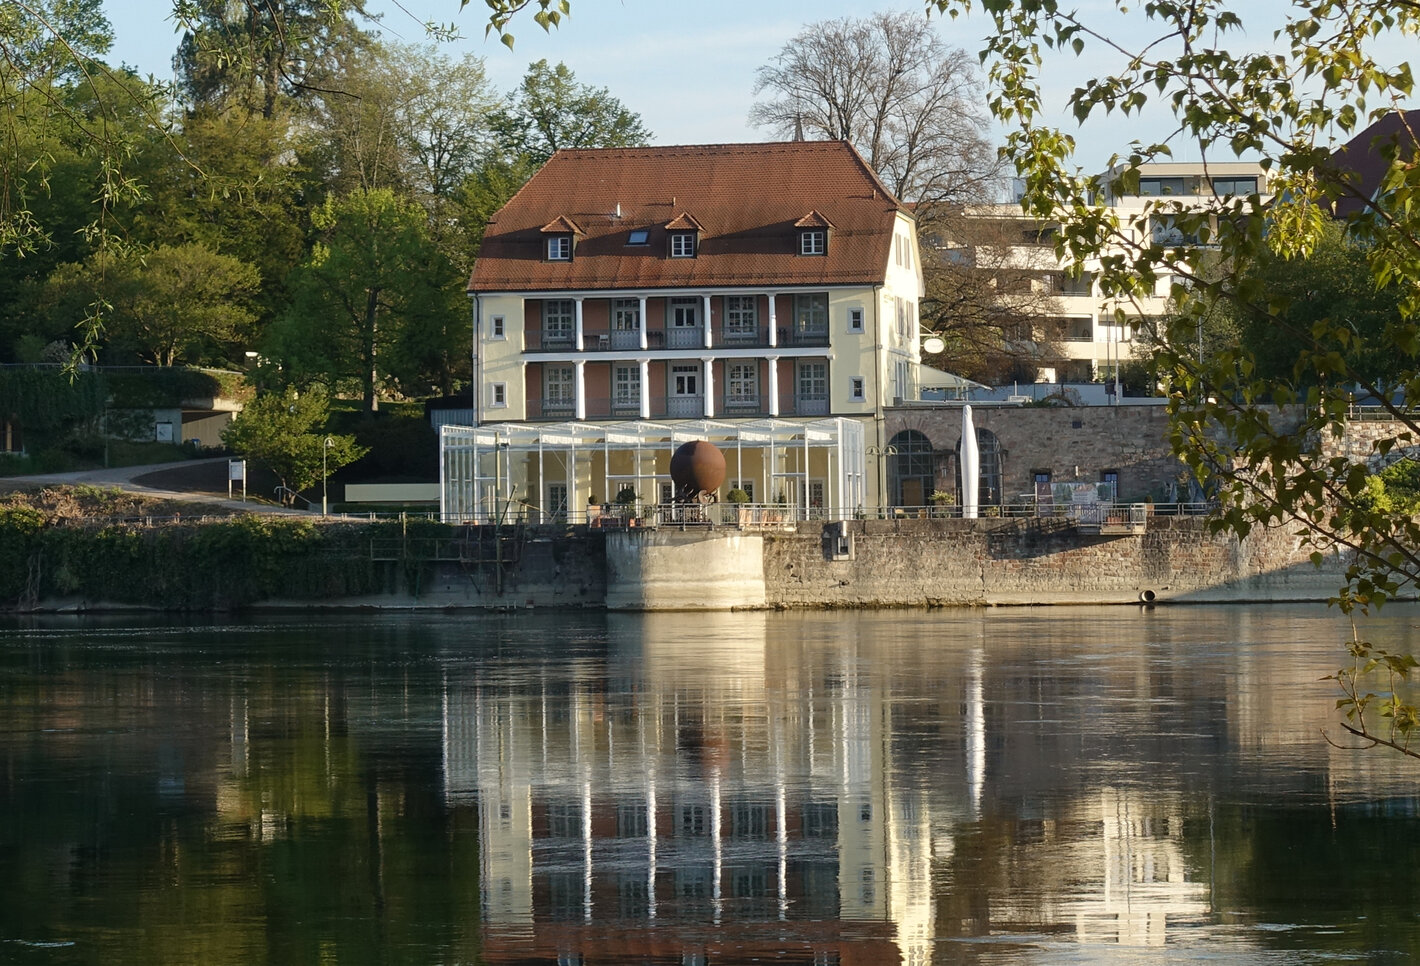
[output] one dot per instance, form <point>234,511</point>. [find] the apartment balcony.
<point>601,408</point>
<point>675,337</point>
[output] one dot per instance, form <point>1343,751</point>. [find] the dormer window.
<point>683,233</point>
<point>683,244</point>
<point>559,238</point>
<point>813,234</point>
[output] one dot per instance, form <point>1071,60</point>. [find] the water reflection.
<point>993,787</point>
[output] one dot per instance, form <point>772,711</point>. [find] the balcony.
<point>811,404</point>
<point>685,407</point>
<point>675,337</point>
<point>675,407</point>
<point>685,337</point>
<point>795,336</point>
<point>558,409</point>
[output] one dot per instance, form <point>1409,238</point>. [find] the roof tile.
<point>748,199</point>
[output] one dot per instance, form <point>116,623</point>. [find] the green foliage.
<point>284,432</point>
<point>1259,420</point>
<point>737,495</point>
<point>372,302</point>
<point>45,399</point>
<point>550,110</point>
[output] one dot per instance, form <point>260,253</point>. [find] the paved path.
<point>152,480</point>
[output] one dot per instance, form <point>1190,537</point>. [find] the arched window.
<point>988,448</point>
<point>912,473</point>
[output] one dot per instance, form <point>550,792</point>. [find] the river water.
<point>1019,786</point>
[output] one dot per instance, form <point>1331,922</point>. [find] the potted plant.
<point>740,498</point>
<point>941,500</point>
<point>626,501</point>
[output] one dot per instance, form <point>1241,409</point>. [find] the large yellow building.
<point>761,296</point>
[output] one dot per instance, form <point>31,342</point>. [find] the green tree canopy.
<point>551,110</point>
<point>284,431</point>
<point>374,280</point>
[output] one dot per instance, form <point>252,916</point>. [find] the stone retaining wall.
<point>988,562</point>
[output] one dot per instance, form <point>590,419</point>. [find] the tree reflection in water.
<point>1010,786</point>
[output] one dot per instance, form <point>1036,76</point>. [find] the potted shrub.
<point>941,500</point>
<point>740,498</point>
<point>626,502</point>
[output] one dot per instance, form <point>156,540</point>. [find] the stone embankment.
<point>883,563</point>
<point>251,561</point>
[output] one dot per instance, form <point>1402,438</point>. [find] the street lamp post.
<point>324,480</point>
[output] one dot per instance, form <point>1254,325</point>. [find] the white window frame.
<point>811,379</point>
<point>498,395</point>
<point>559,248</point>
<point>856,315</point>
<point>683,244</point>
<point>858,389</point>
<point>626,315</point>
<point>685,381</point>
<point>683,309</point>
<point>813,241</point>
<point>497,327</point>
<point>742,383</point>
<point>741,315</point>
<point>565,385</point>
<point>626,386</point>
<point>563,312</point>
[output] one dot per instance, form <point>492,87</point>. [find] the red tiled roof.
<point>561,225</point>
<point>684,221</point>
<point>747,199</point>
<point>1361,157</point>
<point>813,220</point>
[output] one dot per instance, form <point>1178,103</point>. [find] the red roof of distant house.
<point>1362,158</point>
<point>745,200</point>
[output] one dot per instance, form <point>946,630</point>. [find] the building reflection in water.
<point>696,797</point>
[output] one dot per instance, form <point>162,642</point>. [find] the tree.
<point>1264,444</point>
<point>180,303</point>
<point>989,293</point>
<point>284,431</point>
<point>550,111</point>
<point>373,279</point>
<point>887,83</point>
<point>257,51</point>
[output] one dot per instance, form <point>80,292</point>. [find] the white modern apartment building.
<point>1089,334</point>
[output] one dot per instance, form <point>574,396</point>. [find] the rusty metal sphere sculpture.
<point>696,468</point>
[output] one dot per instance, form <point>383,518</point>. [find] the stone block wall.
<point>1024,561</point>
<point>1071,443</point>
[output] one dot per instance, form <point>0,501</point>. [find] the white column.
<point>705,302</point>
<point>581,369</point>
<point>773,383</point>
<point>578,315</point>
<point>708,369</point>
<point>642,318</point>
<point>645,365</point>
<point>773,323</point>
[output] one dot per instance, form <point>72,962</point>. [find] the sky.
<point>686,67</point>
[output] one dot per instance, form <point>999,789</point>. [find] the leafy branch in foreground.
<point>1282,444</point>
<point>1402,719</point>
